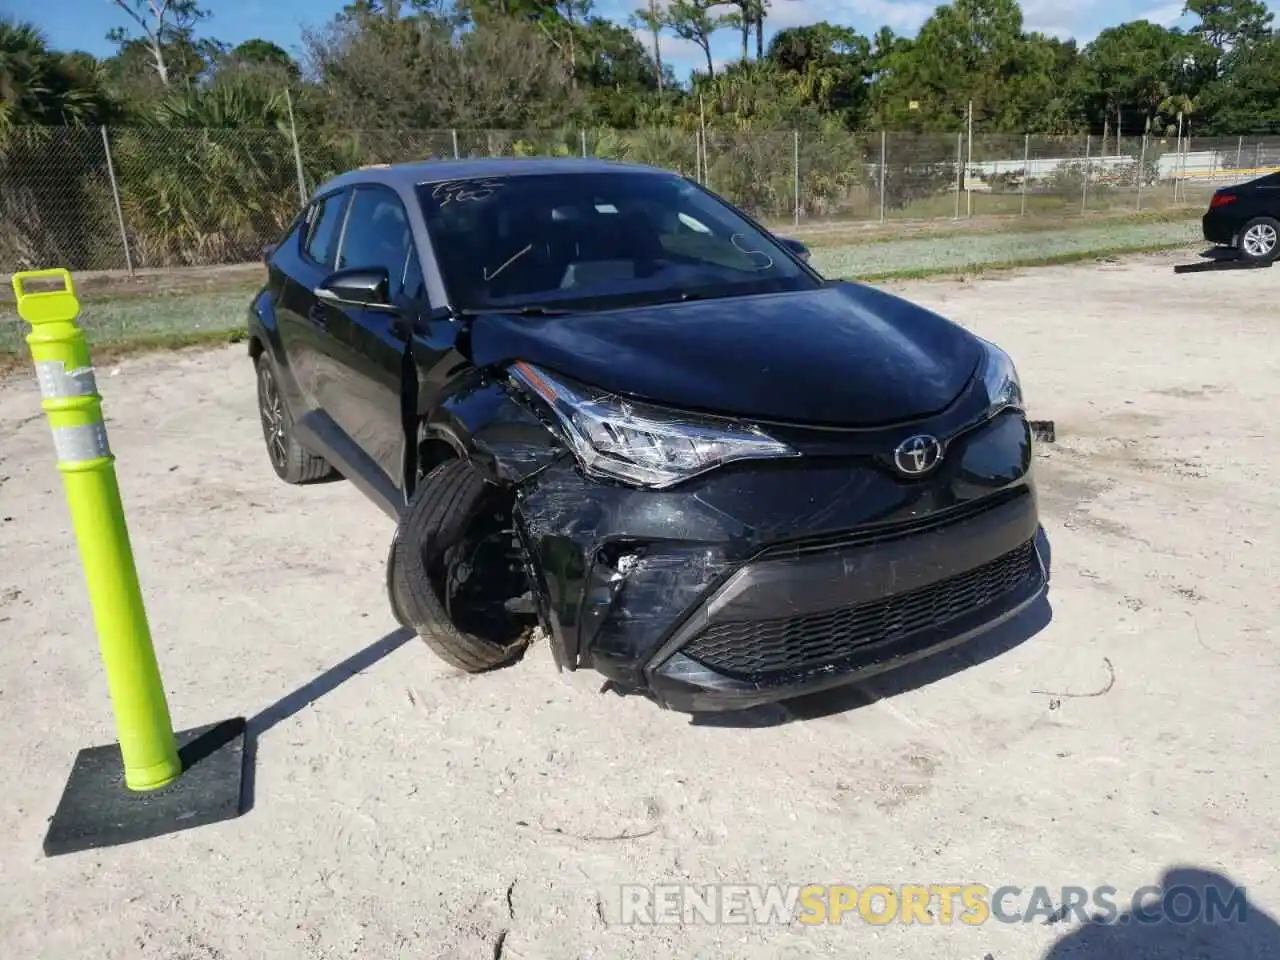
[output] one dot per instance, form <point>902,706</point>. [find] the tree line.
<point>539,63</point>
<point>380,69</point>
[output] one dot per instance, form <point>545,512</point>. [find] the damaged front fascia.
<point>617,563</point>
<point>617,567</point>
<point>622,567</point>
<point>604,554</point>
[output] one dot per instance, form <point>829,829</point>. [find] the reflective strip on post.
<point>77,443</point>
<point>56,381</point>
<point>81,444</point>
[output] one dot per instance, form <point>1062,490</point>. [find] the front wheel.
<point>456,573</point>
<point>1260,240</point>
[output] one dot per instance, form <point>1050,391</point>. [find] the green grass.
<point>116,321</point>
<point>962,252</point>
<point>820,235</point>
<point>984,210</point>
<point>126,320</point>
<point>1101,201</point>
<point>1053,260</point>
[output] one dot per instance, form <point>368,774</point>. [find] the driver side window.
<point>377,234</point>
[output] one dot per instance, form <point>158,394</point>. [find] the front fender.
<point>478,417</point>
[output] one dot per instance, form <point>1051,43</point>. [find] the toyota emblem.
<point>916,456</point>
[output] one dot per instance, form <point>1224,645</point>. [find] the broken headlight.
<point>639,444</point>
<point>1001,380</point>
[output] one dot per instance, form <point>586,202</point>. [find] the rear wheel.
<point>457,571</point>
<point>1260,240</point>
<point>290,461</point>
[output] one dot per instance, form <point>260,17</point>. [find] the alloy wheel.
<point>271,408</point>
<point>1259,240</point>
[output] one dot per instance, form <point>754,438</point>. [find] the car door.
<point>363,369</point>
<point>298,314</point>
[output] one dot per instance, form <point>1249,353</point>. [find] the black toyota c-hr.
<point>597,396</point>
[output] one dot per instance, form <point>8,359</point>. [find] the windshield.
<point>596,240</point>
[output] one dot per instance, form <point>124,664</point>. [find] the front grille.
<point>753,649</point>
<point>892,530</point>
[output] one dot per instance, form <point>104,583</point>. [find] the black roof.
<point>408,175</point>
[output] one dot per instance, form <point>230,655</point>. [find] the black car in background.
<point>597,396</point>
<point>1246,217</point>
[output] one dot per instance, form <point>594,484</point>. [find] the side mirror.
<point>365,287</point>
<point>796,247</point>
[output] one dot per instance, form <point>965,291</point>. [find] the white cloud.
<point>1055,19</point>
<point>902,15</point>
<point>1166,15</point>
<point>1059,30</point>
<point>673,48</point>
<point>1085,19</point>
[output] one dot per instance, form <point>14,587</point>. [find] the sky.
<point>83,24</point>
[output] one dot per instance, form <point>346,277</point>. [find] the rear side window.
<point>294,230</point>
<point>322,228</point>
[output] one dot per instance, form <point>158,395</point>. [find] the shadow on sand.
<point>293,703</point>
<point>1198,915</point>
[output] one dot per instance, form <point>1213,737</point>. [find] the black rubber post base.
<point>98,810</point>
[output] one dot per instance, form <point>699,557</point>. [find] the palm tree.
<point>761,8</point>
<point>23,63</point>
<point>653,19</point>
<point>39,86</point>
<point>1179,107</point>
<point>52,187</point>
<point>658,146</point>
<point>209,174</point>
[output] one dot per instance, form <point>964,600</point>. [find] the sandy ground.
<point>403,810</point>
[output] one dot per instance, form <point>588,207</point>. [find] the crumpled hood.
<point>844,355</point>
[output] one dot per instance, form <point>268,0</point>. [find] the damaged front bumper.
<point>769,581</point>
<point>792,625</point>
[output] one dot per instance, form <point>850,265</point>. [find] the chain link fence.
<point>129,198</point>
<point>56,201</point>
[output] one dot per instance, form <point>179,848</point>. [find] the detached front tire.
<point>1260,240</point>
<point>454,567</point>
<point>291,462</point>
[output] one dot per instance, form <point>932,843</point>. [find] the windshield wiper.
<point>526,310</point>
<point>688,296</point>
<point>533,310</point>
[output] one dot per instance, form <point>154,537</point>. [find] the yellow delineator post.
<point>70,398</point>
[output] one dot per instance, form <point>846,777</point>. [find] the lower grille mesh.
<point>753,649</point>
